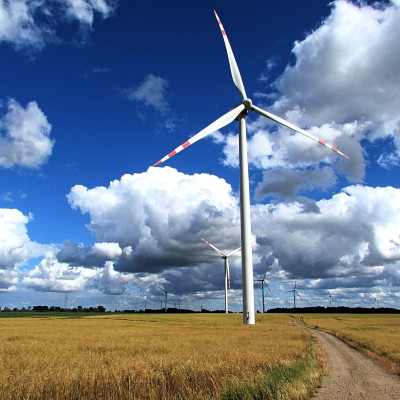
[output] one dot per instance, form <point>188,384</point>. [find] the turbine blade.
<point>218,124</point>
<point>269,289</point>
<point>234,251</point>
<point>229,275</point>
<point>265,275</point>
<point>162,289</point>
<point>217,250</point>
<point>294,127</point>
<point>237,79</point>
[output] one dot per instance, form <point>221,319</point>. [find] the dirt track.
<point>352,375</point>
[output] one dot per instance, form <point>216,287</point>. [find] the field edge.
<point>296,380</point>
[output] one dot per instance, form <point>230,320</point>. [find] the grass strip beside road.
<point>290,381</point>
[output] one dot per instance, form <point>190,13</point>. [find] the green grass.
<point>291,381</point>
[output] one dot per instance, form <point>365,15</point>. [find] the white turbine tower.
<point>239,113</point>
<point>263,281</point>
<point>294,294</point>
<point>227,274</point>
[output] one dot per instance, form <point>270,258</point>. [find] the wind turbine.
<point>239,113</point>
<point>166,298</point>
<point>227,274</point>
<point>179,300</point>
<point>330,298</point>
<point>294,294</point>
<point>24,303</point>
<point>262,286</point>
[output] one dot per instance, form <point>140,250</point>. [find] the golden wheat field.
<point>128,356</point>
<point>376,335</point>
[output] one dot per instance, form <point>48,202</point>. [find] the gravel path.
<point>352,375</point>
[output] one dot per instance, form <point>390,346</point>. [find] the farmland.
<point>156,357</point>
<point>375,335</point>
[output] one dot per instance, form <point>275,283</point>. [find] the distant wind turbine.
<point>13,306</point>
<point>225,257</point>
<point>65,300</point>
<point>330,298</point>
<point>179,300</point>
<point>294,294</point>
<point>166,298</point>
<point>239,113</point>
<point>25,303</point>
<point>262,286</point>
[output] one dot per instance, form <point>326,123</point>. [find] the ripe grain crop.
<point>168,356</point>
<point>376,335</point>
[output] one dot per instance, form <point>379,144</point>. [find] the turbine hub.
<point>247,103</point>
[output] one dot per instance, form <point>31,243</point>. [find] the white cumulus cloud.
<point>152,92</point>
<point>51,275</point>
<point>158,218</point>
<point>24,136</point>
<point>15,244</point>
<point>353,234</point>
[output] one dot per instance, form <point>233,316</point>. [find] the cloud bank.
<point>153,223</point>
<point>31,25</point>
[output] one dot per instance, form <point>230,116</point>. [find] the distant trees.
<point>98,309</point>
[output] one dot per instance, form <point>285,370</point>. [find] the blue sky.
<point>94,92</point>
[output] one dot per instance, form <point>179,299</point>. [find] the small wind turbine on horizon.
<point>263,281</point>
<point>179,300</point>
<point>330,298</point>
<point>294,294</point>
<point>239,113</point>
<point>166,298</point>
<point>225,257</point>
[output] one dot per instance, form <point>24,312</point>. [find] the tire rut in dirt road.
<point>353,375</point>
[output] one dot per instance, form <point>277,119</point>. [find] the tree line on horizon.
<point>172,310</point>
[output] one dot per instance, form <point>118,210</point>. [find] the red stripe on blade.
<point>173,152</point>
<point>322,142</point>
<point>186,144</point>
<point>157,163</point>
